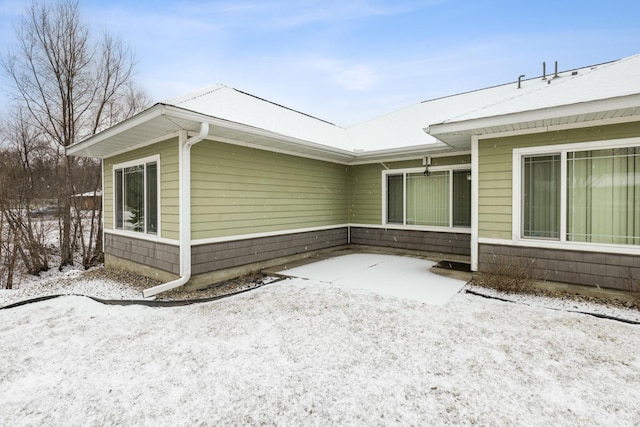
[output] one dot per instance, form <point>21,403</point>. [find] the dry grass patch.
<point>510,274</point>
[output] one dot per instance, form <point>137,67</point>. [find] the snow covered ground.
<point>70,281</point>
<point>400,276</point>
<point>303,352</point>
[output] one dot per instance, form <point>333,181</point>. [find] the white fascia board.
<point>468,126</point>
<point>130,123</point>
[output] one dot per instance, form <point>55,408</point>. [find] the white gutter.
<point>185,211</point>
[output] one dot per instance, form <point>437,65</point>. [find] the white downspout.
<point>184,188</point>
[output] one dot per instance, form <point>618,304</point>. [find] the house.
<point>209,185</point>
<point>88,201</point>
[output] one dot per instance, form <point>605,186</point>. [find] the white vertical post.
<point>474,202</point>
<point>563,196</point>
<point>113,187</point>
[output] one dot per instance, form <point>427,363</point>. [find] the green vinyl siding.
<point>463,159</point>
<point>365,194</point>
<point>239,190</point>
<point>365,190</point>
<point>168,151</point>
<point>495,170</point>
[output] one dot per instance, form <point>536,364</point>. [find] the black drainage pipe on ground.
<point>147,303</point>
<point>601,316</point>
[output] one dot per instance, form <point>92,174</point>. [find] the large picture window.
<point>602,196</point>
<point>136,197</point>
<point>441,199</point>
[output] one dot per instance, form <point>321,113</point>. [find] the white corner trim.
<point>475,161</point>
<point>516,195</point>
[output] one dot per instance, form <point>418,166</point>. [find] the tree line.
<point>66,84</point>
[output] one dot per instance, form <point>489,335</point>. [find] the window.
<point>603,196</point>
<point>136,197</point>
<point>541,196</point>
<point>441,199</point>
<point>602,200</point>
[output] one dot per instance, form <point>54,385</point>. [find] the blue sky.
<point>349,61</point>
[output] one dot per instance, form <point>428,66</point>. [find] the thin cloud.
<point>348,76</point>
<point>287,15</point>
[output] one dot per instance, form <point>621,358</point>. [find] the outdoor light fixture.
<point>426,162</point>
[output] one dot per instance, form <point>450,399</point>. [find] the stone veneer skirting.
<point>218,256</point>
<point>153,254</point>
<point>577,267</point>
<point>426,241</point>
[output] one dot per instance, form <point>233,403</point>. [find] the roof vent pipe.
<point>544,70</point>
<point>520,80</point>
<point>555,76</point>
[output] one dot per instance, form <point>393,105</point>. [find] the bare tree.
<point>24,176</point>
<point>70,87</point>
<point>8,248</point>
<point>87,210</point>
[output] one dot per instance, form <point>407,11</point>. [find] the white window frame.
<point>517,200</point>
<point>404,172</point>
<point>138,162</point>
